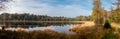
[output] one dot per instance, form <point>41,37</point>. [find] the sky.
<point>67,8</point>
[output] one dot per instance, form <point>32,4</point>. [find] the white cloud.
<point>29,6</point>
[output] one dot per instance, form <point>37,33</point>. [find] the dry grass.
<point>95,32</point>
<point>79,26</point>
<point>45,34</point>
<point>84,33</point>
<point>91,32</point>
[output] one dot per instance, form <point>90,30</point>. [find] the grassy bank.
<point>93,32</point>
<point>49,34</point>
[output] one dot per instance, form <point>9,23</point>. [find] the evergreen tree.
<point>107,24</point>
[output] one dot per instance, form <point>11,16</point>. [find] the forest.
<point>32,17</point>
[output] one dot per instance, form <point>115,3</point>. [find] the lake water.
<point>58,27</point>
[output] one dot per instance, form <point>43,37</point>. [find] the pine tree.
<point>107,24</point>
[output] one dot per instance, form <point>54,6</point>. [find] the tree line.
<point>29,17</point>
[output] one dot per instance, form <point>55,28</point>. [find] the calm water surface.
<point>64,28</point>
<point>56,27</point>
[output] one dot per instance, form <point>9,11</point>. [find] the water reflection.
<point>59,27</point>
<point>42,24</point>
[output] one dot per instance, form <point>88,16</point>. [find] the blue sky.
<point>67,8</point>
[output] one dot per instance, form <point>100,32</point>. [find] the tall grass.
<point>94,33</point>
